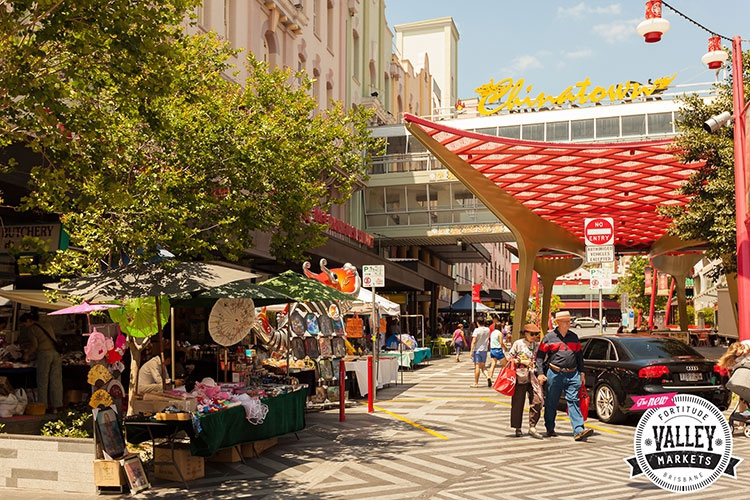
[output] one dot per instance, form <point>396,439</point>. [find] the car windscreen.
<point>656,348</point>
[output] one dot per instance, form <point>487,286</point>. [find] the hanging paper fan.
<point>100,398</point>
<point>98,372</point>
<point>231,320</point>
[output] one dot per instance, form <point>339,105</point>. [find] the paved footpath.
<point>432,437</point>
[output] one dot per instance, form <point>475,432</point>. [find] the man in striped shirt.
<point>559,363</point>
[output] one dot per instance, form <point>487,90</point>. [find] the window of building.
<point>511,132</point>
<point>634,125</point>
<point>487,131</point>
<point>581,129</point>
<point>415,146</point>
<point>396,145</point>
<point>356,56</point>
<point>316,17</point>
<point>533,132</point>
<point>660,123</point>
<point>374,200</point>
<point>558,131</point>
<point>608,127</point>
<point>330,26</point>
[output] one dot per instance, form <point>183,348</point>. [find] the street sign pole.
<point>373,277</point>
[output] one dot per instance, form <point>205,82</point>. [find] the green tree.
<point>633,284</point>
<point>710,213</point>
<point>155,147</point>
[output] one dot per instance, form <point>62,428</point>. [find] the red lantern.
<point>716,56</point>
<point>653,27</point>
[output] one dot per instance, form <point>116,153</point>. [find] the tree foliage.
<point>710,214</point>
<point>148,144</point>
<point>633,284</point>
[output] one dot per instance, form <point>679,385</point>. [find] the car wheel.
<point>607,405</point>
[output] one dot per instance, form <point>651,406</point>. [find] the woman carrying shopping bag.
<point>523,354</point>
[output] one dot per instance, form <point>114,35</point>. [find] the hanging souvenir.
<point>298,347</point>
<point>298,323</point>
<point>118,351</point>
<point>326,368</point>
<point>100,398</point>
<point>338,326</point>
<point>339,347</point>
<point>325,323</point>
<point>324,345</point>
<point>311,347</point>
<point>312,324</point>
<point>96,347</point>
<point>98,372</point>
<point>231,320</point>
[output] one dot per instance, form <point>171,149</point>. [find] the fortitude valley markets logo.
<point>682,443</point>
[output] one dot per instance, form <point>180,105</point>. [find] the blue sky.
<point>553,45</point>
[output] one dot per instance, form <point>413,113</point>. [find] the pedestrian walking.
<point>559,364</point>
<point>479,341</point>
<point>604,324</point>
<point>523,353</point>
<point>497,349</point>
<point>459,340</point>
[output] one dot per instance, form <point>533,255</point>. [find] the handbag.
<point>584,402</point>
<point>739,382</point>
<point>506,380</point>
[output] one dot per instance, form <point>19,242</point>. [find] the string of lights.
<point>689,19</point>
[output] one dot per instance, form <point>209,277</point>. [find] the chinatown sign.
<point>507,94</point>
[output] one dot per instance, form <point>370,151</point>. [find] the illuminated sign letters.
<point>507,94</point>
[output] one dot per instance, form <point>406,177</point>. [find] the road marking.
<point>411,422</point>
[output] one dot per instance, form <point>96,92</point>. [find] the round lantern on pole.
<point>715,57</point>
<point>653,27</point>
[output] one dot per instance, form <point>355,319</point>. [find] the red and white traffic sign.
<point>599,231</point>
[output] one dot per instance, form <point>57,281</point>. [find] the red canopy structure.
<point>544,191</point>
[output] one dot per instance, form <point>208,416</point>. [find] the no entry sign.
<point>599,231</point>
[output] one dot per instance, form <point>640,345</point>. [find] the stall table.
<point>408,358</point>
<point>226,428</point>
<point>387,373</point>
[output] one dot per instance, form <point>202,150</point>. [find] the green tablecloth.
<point>227,428</point>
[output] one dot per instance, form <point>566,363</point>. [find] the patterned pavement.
<point>433,437</point>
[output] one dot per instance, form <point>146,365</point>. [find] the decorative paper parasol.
<point>84,308</point>
<point>231,320</point>
<point>137,317</point>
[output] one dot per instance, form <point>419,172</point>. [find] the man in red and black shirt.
<point>561,355</point>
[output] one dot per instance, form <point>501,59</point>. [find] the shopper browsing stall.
<point>43,343</point>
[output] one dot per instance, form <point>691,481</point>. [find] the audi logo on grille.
<point>692,368</point>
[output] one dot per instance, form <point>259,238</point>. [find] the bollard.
<point>342,385</point>
<point>370,380</point>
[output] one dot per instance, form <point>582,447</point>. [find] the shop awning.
<point>34,298</point>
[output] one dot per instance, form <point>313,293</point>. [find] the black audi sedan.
<point>620,366</point>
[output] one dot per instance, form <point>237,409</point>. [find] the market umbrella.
<point>241,289</point>
<point>303,289</point>
<point>84,308</point>
<point>151,280</point>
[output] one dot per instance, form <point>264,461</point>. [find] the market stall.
<point>227,427</point>
<point>387,373</point>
